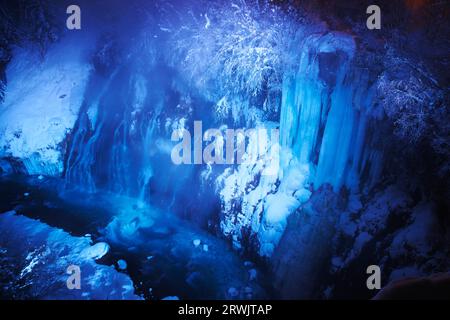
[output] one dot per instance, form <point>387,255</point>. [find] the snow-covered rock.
<point>196,242</point>
<point>42,100</point>
<point>392,230</point>
<point>36,259</point>
<point>255,204</point>
<point>420,236</point>
<point>122,264</point>
<point>96,251</point>
<point>375,215</point>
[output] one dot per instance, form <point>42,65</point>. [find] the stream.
<point>164,255</point>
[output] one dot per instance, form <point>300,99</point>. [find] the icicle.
<point>325,112</point>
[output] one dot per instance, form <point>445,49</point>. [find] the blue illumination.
<point>89,120</point>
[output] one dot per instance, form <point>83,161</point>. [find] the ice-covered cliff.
<point>324,138</point>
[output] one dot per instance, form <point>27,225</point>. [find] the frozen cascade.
<point>128,110</point>
<point>102,144</point>
<point>324,113</point>
<point>120,132</point>
<point>325,126</point>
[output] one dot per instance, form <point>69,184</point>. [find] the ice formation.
<point>97,115</point>
<point>325,108</point>
<point>324,114</point>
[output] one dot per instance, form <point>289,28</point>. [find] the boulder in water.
<point>122,264</point>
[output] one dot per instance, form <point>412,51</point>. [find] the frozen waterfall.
<point>324,113</point>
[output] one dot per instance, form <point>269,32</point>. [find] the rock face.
<point>434,287</point>
<point>389,228</point>
<point>255,205</point>
<point>310,231</point>
<point>336,237</point>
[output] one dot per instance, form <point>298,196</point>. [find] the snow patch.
<point>42,101</point>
